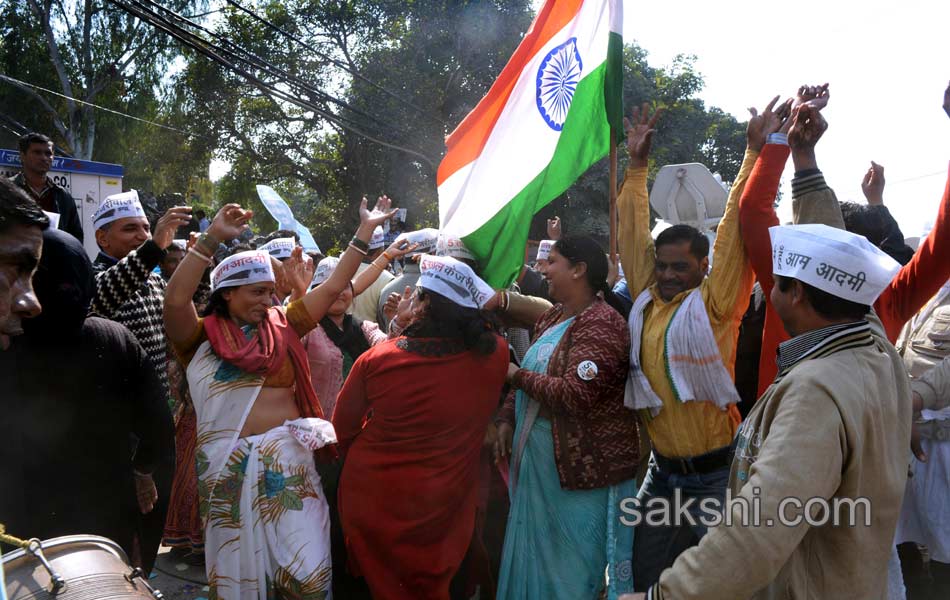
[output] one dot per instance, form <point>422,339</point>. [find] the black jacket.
<point>65,205</point>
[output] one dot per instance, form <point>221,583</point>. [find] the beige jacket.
<point>934,386</point>
<point>925,339</point>
<point>836,426</point>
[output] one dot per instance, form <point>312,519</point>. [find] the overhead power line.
<point>232,59</point>
<point>339,63</point>
<point>17,82</point>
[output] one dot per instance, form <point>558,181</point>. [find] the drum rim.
<point>70,539</point>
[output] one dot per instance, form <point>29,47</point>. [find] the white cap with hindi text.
<point>453,279</point>
<point>426,238</point>
<point>835,261</point>
<point>325,268</point>
<point>544,249</point>
<point>243,268</point>
<point>379,238</point>
<point>281,248</point>
<point>117,206</point>
<point>449,245</point>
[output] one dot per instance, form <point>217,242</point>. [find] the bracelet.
<point>505,301</point>
<point>381,268</point>
<point>358,249</point>
<point>208,242</point>
<point>387,256</point>
<point>200,255</point>
<point>360,245</point>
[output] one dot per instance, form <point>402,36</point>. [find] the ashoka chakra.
<point>557,79</point>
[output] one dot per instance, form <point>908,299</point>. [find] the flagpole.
<point>612,193</point>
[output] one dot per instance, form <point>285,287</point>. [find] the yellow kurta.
<point>685,429</point>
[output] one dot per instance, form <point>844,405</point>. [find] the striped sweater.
<point>130,293</point>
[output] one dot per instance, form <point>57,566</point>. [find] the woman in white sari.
<point>259,421</point>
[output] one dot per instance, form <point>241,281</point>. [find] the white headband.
<point>448,245</point>
<point>544,249</point>
<point>453,279</point>
<point>325,268</point>
<point>835,261</point>
<point>117,206</point>
<point>281,248</point>
<point>243,268</point>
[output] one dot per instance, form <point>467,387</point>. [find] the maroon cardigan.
<point>596,442</point>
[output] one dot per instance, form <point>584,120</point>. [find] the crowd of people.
<point>312,426</point>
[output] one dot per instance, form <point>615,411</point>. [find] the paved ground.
<point>178,581</point>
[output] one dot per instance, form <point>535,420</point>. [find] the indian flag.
<point>545,120</point>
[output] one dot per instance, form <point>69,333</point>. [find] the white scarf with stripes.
<point>693,361</point>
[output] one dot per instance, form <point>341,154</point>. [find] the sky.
<point>887,62</point>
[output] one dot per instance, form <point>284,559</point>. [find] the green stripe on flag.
<point>499,244</point>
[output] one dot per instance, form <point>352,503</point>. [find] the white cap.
<point>544,249</point>
<point>117,206</point>
<point>835,261</point>
<point>325,268</point>
<point>426,238</point>
<point>449,245</point>
<point>281,248</point>
<point>378,240</point>
<point>243,268</point>
<point>453,279</point>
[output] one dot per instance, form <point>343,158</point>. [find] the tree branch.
<point>57,122</point>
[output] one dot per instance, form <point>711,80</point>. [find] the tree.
<point>93,53</point>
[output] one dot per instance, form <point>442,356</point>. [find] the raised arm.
<point>320,298</point>
<point>756,210</point>
<point>116,285</point>
<point>633,203</point>
<point>731,280</point>
<point>181,317</point>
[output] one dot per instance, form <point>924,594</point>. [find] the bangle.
<point>505,301</point>
<point>360,245</point>
<point>387,256</point>
<point>381,268</point>
<point>208,243</point>
<point>358,249</point>
<point>202,256</point>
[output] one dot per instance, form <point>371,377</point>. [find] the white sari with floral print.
<point>267,524</point>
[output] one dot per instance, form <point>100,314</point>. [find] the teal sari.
<point>559,543</point>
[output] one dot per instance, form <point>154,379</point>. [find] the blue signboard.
<point>11,158</point>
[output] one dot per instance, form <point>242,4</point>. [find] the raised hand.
<point>168,224</point>
<point>403,314</point>
<point>807,128</point>
<point>816,96</point>
<point>769,121</point>
<point>229,223</point>
<point>400,248</point>
<point>381,213</point>
<point>640,128</point>
<point>297,272</point>
<point>873,184</point>
<point>554,228</point>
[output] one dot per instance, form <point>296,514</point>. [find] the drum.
<point>74,567</point>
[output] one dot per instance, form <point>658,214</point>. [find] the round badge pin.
<point>587,370</point>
